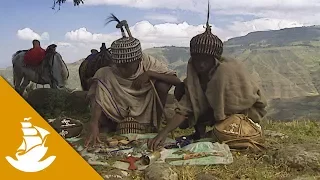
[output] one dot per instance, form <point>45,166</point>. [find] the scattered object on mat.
<point>113,143</point>
<point>107,150</point>
<point>194,155</point>
<point>119,138</point>
<point>124,142</point>
<point>72,140</point>
<point>137,143</point>
<point>133,137</point>
<point>124,147</point>
<point>180,142</point>
<point>199,155</point>
<point>223,156</point>
<point>67,127</point>
<point>130,125</point>
<point>131,160</point>
<point>114,157</point>
<point>116,140</point>
<point>150,158</point>
<point>180,152</point>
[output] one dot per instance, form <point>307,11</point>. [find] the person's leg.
<point>179,91</point>
<point>206,119</point>
<point>162,90</point>
<point>105,124</point>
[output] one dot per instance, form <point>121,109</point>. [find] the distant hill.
<point>305,108</point>
<point>285,62</point>
<point>281,37</point>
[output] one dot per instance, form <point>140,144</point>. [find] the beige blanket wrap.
<point>115,95</point>
<point>231,90</point>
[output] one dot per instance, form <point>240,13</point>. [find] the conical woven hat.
<point>125,49</point>
<point>206,43</point>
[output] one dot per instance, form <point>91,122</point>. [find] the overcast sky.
<point>76,30</point>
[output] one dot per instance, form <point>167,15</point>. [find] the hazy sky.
<point>76,30</point>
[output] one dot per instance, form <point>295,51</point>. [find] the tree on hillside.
<point>60,2</point>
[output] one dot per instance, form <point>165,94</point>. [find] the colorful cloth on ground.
<point>34,56</point>
<point>115,95</point>
<point>231,90</point>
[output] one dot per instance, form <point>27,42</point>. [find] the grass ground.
<point>248,165</point>
<point>258,166</point>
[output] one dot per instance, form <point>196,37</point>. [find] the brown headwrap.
<point>206,43</point>
<point>125,49</point>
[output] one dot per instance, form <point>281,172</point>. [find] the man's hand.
<point>154,143</point>
<point>93,134</point>
<point>142,79</point>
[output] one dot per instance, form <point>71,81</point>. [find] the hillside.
<point>299,108</point>
<point>285,62</point>
<point>282,37</point>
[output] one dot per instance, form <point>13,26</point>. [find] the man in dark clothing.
<point>215,89</point>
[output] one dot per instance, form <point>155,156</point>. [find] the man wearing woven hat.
<point>214,89</point>
<point>131,88</point>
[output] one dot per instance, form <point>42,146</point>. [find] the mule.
<point>89,67</point>
<point>52,71</point>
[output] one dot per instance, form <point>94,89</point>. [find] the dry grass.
<point>257,166</point>
<point>254,166</point>
<point>261,166</point>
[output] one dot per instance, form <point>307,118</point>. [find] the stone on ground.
<point>116,174</point>
<point>300,156</point>
<point>274,134</point>
<point>160,171</point>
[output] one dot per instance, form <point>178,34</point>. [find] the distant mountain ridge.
<point>281,37</point>
<point>285,62</point>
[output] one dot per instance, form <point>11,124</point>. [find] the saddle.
<point>21,51</point>
<point>101,59</point>
<point>46,63</point>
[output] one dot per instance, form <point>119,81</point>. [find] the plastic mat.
<point>225,156</point>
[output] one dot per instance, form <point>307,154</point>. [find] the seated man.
<point>215,89</point>
<point>126,85</point>
<point>35,55</point>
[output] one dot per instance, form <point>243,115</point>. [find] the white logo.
<point>32,149</point>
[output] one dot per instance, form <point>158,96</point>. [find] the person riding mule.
<point>35,55</point>
<point>45,64</point>
<point>52,70</point>
<point>92,64</point>
<point>94,52</point>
